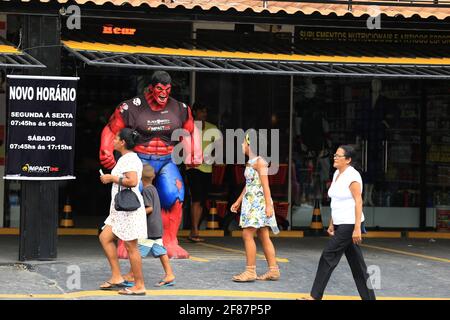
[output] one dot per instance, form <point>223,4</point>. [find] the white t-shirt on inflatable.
<point>342,202</point>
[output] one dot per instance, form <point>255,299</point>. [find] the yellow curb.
<point>9,231</point>
<point>428,235</point>
<point>202,233</point>
<point>383,234</point>
<point>77,232</point>
<point>61,231</point>
<point>201,293</point>
<point>282,234</point>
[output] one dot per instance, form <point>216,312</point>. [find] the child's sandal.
<point>273,274</point>
<point>247,276</point>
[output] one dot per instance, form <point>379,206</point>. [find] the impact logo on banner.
<point>38,169</point>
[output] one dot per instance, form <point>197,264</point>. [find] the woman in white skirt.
<point>125,225</point>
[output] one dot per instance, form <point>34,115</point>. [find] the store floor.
<point>407,269</point>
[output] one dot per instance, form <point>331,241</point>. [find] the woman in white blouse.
<point>346,226</point>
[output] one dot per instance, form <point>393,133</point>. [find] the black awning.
<point>10,57</point>
<point>301,61</point>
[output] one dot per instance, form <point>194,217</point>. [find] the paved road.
<point>408,269</point>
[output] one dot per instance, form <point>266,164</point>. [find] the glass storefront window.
<point>438,153</point>
<point>382,120</point>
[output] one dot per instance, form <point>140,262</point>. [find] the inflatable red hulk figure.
<point>155,115</point>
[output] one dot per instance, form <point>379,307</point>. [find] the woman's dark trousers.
<point>339,244</point>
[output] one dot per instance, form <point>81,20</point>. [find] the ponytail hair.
<point>130,137</point>
<point>350,153</point>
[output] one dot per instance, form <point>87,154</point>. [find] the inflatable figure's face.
<point>161,93</point>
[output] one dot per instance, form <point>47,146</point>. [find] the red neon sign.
<point>110,29</point>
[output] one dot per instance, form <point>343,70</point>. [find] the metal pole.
<point>423,158</point>
<point>193,87</point>
<point>192,73</point>
<point>291,115</point>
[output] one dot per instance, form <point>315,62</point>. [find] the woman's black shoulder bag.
<point>126,199</point>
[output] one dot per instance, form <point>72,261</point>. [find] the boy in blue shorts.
<point>154,243</point>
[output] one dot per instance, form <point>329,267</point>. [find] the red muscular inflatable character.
<point>155,115</point>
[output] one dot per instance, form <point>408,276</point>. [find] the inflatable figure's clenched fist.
<point>107,159</point>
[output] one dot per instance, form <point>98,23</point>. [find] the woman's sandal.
<point>163,283</point>
<point>128,292</point>
<point>273,274</point>
<point>248,275</point>
<point>128,279</point>
<point>113,286</point>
